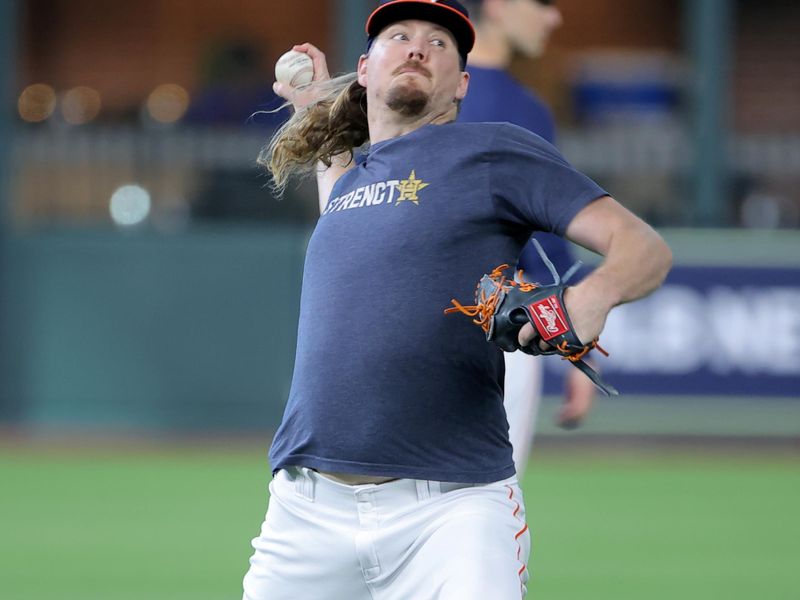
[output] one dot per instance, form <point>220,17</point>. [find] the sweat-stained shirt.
<point>385,383</point>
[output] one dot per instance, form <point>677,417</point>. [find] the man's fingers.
<point>526,334</point>
<point>580,393</point>
<point>569,423</point>
<point>570,416</point>
<point>280,90</point>
<point>318,58</point>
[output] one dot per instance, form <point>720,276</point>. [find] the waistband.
<point>392,495</point>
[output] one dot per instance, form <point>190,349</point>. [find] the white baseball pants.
<point>402,540</point>
<point>522,395</point>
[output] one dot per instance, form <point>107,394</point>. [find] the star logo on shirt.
<point>409,187</point>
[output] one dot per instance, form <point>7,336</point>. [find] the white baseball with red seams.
<point>325,539</point>
<point>294,69</point>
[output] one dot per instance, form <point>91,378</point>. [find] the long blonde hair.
<point>336,123</point>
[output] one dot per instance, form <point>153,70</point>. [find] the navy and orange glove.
<point>503,306</point>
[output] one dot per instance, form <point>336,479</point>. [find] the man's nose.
<point>416,51</point>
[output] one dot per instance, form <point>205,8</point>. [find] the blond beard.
<point>407,101</point>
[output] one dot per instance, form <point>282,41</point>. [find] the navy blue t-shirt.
<point>385,383</point>
<point>495,96</point>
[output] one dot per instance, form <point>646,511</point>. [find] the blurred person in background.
<point>506,29</point>
<point>232,75</point>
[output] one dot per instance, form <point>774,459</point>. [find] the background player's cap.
<point>450,14</point>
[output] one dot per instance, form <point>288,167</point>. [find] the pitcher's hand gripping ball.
<point>294,69</point>
<point>503,306</point>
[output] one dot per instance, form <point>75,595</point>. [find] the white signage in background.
<point>679,329</point>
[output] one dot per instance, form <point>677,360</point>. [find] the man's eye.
<point>438,42</point>
<point>399,36</point>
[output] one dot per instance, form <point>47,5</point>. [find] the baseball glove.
<point>503,305</point>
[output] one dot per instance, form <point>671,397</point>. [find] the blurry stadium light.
<point>130,205</point>
<point>80,105</point>
<point>36,103</point>
<point>167,103</point>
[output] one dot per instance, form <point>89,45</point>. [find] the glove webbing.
<point>487,304</point>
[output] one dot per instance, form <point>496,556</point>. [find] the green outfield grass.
<point>175,523</point>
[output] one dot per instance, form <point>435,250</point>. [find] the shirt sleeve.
<point>533,185</point>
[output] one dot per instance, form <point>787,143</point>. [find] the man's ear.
<point>463,86</point>
<point>362,69</point>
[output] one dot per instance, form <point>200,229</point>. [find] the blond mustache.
<point>412,65</point>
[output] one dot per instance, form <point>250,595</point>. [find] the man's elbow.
<point>661,255</point>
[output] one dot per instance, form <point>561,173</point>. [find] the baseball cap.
<point>450,14</point>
